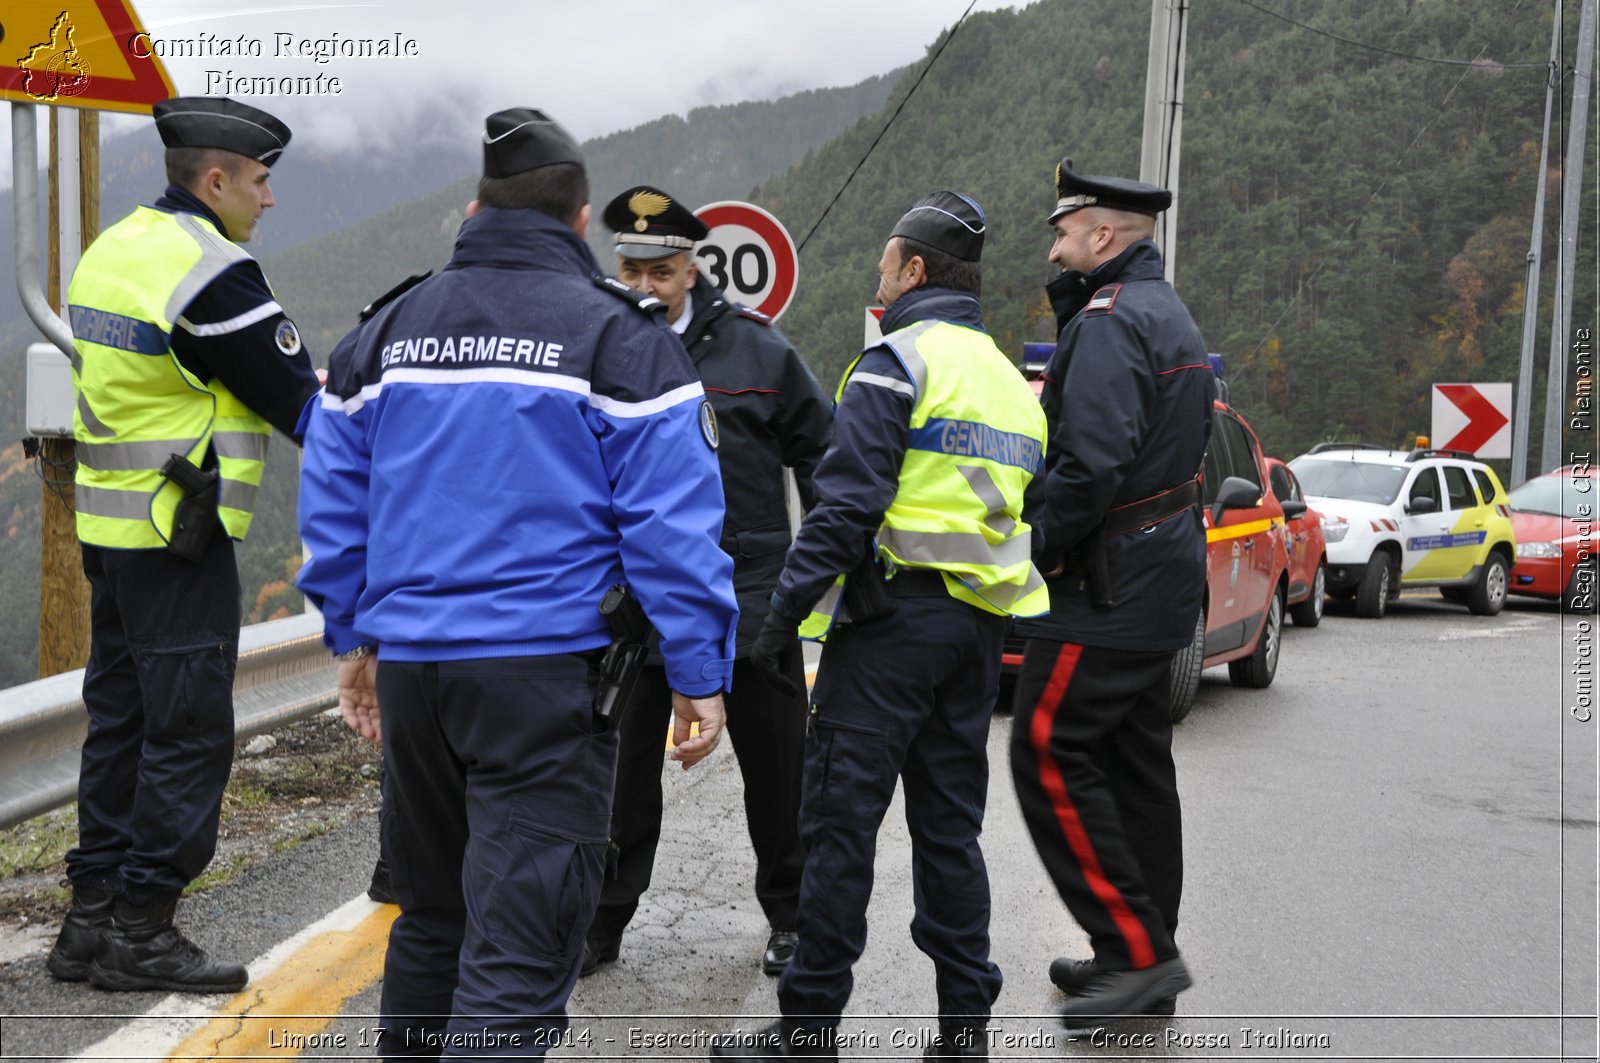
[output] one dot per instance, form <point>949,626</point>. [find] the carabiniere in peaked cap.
<point>947,221</point>
<point>522,138</point>
<point>651,224</point>
<point>1074,191</point>
<point>218,122</point>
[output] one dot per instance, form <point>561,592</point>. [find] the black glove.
<point>770,654</point>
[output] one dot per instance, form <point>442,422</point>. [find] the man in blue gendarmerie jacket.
<point>497,447</point>
<point>771,413</point>
<point>1120,540</point>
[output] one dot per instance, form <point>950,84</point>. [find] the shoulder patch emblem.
<point>708,423</point>
<point>1104,299</point>
<point>648,303</point>
<point>287,337</point>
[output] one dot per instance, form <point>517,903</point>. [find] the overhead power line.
<point>852,176</point>
<point>1386,51</point>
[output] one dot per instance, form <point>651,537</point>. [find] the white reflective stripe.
<point>911,360</point>
<point>617,408</point>
<point>248,446</point>
<point>217,253</point>
<point>889,382</point>
<point>233,324</point>
<point>330,401</point>
<point>495,375</point>
<point>108,502</point>
<point>1007,595</point>
<point>954,548</point>
<point>236,494</point>
<point>982,483</point>
<point>128,457</point>
<point>91,423</point>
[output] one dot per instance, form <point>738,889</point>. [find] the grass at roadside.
<point>316,776</point>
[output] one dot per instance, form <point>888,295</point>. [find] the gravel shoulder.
<point>289,786</point>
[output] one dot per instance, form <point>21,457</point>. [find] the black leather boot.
<point>143,950</point>
<point>86,923</point>
<point>965,1042</point>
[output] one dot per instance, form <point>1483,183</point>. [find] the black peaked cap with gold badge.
<point>1074,191</point>
<point>947,221</point>
<point>222,123</point>
<point>525,138</point>
<point>651,224</point>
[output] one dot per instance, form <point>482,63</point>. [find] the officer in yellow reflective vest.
<point>919,508</point>
<point>184,363</point>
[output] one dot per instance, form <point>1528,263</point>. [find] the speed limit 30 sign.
<point>749,255</point>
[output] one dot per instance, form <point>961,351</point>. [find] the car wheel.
<point>1258,669</point>
<point>1488,595</point>
<point>1187,664</point>
<point>1372,596</point>
<point>1579,597</point>
<point>1309,612</point>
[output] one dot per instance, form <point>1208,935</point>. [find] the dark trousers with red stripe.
<point>1091,756</point>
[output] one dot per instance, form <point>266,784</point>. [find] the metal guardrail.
<point>284,674</point>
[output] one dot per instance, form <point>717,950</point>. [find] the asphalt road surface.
<point>1391,854</point>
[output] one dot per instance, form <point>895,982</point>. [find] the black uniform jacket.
<point>771,413</point>
<point>1128,398</point>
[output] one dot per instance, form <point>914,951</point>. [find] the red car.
<point>1554,519</point>
<point>1308,548</point>
<point>1247,557</point>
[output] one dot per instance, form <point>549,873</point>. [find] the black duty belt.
<point>1153,510</point>
<point>917,583</point>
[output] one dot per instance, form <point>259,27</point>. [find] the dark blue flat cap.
<point>221,123</point>
<point>948,221</point>
<point>523,138</point>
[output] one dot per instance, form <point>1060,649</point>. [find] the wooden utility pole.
<point>63,591</point>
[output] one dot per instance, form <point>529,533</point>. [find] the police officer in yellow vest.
<point>919,508</point>
<point>184,363</point>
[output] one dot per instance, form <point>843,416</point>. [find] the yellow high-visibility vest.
<point>136,405</point>
<point>977,438</point>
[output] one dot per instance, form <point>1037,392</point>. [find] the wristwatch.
<point>356,654</point>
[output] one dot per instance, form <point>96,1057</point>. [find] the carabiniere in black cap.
<point>1074,191</point>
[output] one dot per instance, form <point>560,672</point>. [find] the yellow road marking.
<point>306,993</point>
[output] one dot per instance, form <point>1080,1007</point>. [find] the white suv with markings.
<point>1420,518</point>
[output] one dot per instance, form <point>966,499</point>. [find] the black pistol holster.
<point>619,666</point>
<point>196,517</point>
<point>866,595</point>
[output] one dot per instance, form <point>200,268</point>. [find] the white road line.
<point>155,1034</point>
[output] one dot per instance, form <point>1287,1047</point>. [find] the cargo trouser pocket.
<point>543,897</point>
<point>849,779</point>
<point>187,688</point>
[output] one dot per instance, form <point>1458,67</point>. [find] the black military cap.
<point>218,122</point>
<point>948,221</point>
<point>523,138</point>
<point>1075,191</point>
<point>651,224</point>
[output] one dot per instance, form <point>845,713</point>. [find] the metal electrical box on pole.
<point>1163,116</point>
<point>75,61</point>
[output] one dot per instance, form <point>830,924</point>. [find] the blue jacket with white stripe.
<point>501,444</point>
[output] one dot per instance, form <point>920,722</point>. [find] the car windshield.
<point>1359,481</point>
<point>1555,495</point>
